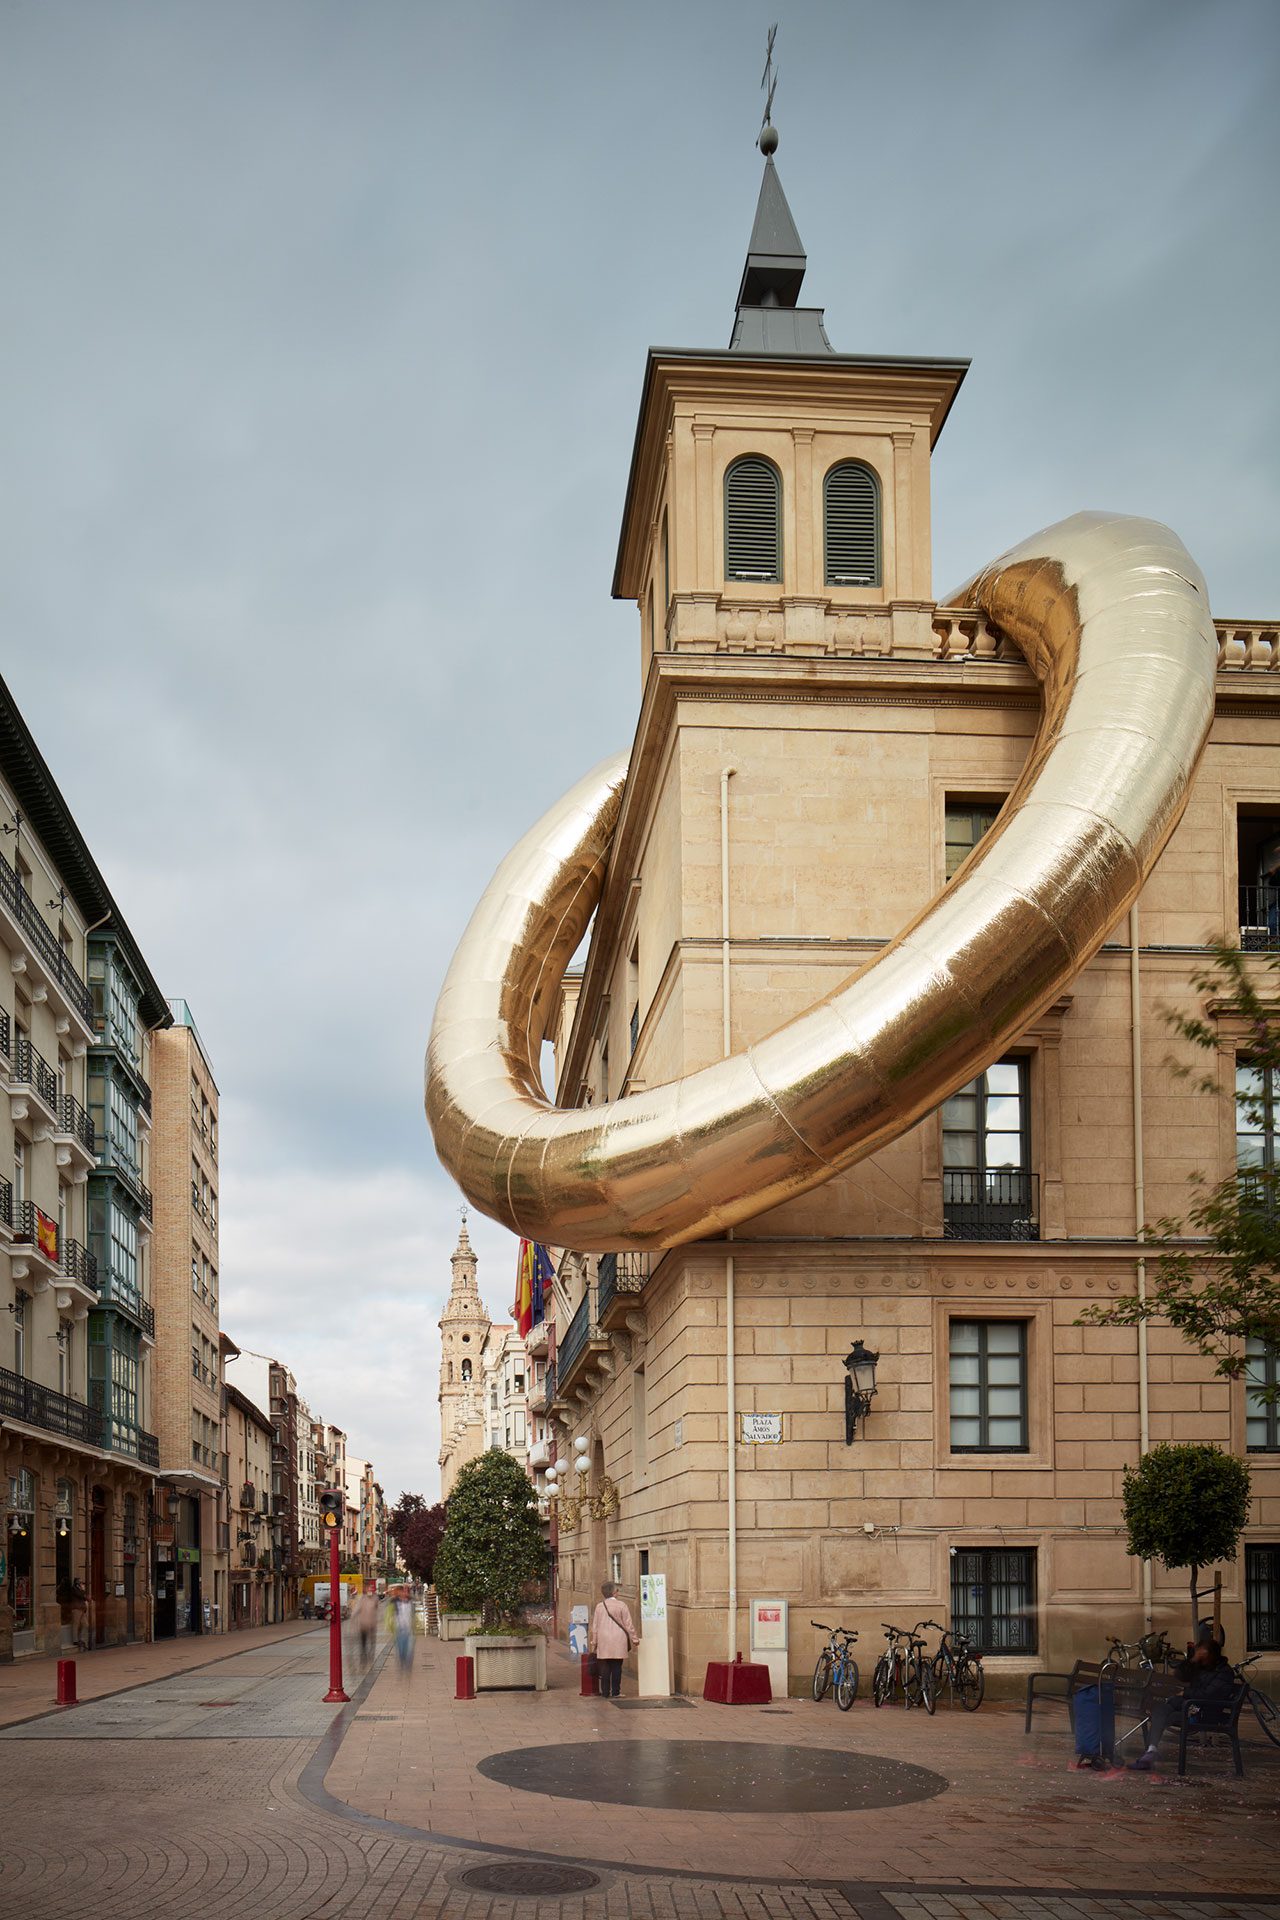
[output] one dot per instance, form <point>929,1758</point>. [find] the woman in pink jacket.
<point>611,1639</point>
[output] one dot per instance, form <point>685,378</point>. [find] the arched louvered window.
<point>752,520</point>
<point>851,526</point>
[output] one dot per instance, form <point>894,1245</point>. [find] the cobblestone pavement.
<point>133,1807</point>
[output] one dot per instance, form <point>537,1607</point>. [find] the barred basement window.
<point>1262,1598</point>
<point>851,526</point>
<point>993,1598</point>
<point>752,520</point>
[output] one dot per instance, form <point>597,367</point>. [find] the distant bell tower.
<point>778,501</point>
<point>464,1329</point>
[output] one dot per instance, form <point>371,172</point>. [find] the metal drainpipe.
<point>1139,1212</point>
<point>730,1335</point>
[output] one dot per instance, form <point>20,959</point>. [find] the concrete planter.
<point>509,1660</point>
<point>456,1626</point>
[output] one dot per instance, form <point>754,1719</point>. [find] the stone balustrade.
<point>814,628</point>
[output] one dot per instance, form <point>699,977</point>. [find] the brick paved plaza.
<point>224,1787</point>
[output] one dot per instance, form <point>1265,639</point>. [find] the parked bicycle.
<point>1124,1657</point>
<point>958,1666</point>
<point>836,1666</point>
<point>1159,1650</point>
<point>903,1666</point>
<point>1265,1710</point>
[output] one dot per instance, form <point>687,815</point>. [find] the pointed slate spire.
<point>775,265</point>
<point>768,319</point>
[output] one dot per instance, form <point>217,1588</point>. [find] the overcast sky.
<point>323,333</point>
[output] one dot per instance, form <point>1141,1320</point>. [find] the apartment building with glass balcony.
<point>820,745</point>
<point>78,1011</point>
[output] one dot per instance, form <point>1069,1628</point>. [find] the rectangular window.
<point>1258,1133</point>
<point>988,1381</point>
<point>993,1598</point>
<point>988,1189</point>
<point>122,1124</point>
<point>20,1334</point>
<point>1262,1598</point>
<point>518,1418</point>
<point>1262,1397</point>
<point>967,822</point>
<point>639,1428</point>
<point>1258,853</point>
<point>122,1014</point>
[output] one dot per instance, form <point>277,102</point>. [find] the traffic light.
<point>330,1508</point>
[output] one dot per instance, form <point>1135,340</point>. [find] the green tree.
<point>1226,1290</point>
<point>492,1541</point>
<point>1186,1506</point>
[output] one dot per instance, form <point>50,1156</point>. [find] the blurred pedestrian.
<point>364,1618</point>
<point>400,1622</point>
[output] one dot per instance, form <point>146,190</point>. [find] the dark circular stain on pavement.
<point>714,1776</point>
<point>529,1877</point>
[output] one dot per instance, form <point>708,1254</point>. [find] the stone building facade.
<point>252,1588</point>
<point>819,743</point>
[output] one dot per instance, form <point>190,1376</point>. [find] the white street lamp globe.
<point>581,1444</point>
<point>582,1464</point>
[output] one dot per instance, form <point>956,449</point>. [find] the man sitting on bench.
<point>1209,1680</point>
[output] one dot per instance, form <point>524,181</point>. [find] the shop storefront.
<point>20,1551</point>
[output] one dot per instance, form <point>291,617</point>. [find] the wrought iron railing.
<point>148,1449</point>
<point>6,1034</point>
<point>79,1264</point>
<point>31,1069</point>
<point>1260,919</point>
<point>6,1202</point>
<point>620,1273</point>
<point>1001,1205</point>
<point>46,943</point>
<point>580,1329</point>
<point>73,1119</point>
<point>30,1225</point>
<point>41,1407</point>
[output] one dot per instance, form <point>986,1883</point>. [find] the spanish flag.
<point>46,1235</point>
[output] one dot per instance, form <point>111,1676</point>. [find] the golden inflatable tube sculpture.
<point>1113,618</point>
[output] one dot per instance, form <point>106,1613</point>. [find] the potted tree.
<point>492,1546</point>
<point>1186,1506</point>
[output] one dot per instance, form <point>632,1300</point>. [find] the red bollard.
<point>588,1678</point>
<point>66,1683</point>
<point>466,1668</point>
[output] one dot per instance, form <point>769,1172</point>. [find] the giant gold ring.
<point>1112,616</point>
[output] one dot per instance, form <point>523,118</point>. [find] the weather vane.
<point>767,138</point>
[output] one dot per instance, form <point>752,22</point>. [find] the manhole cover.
<point>377,1716</point>
<point>529,1876</point>
<point>715,1776</point>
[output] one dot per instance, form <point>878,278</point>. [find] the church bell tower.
<point>464,1328</point>
<point>778,500</point>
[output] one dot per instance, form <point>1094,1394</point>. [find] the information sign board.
<point>653,1596</point>
<point>768,1626</point>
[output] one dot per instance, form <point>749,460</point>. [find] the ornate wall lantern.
<point>859,1388</point>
